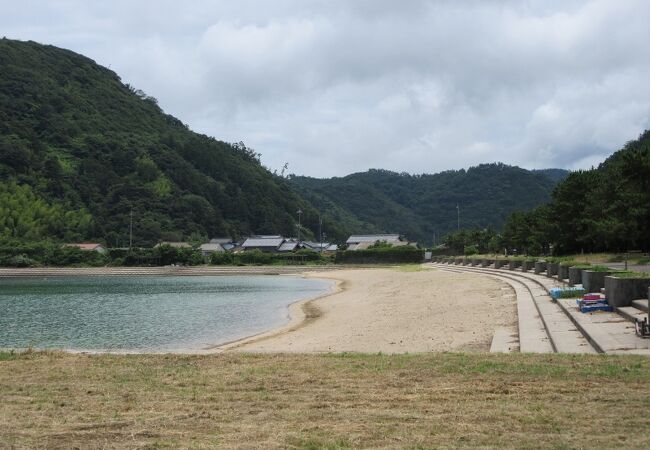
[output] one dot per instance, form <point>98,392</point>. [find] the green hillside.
<point>420,205</point>
<point>80,150</point>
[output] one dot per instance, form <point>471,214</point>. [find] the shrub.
<point>471,250</point>
<point>402,254</point>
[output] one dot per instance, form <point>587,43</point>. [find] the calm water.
<point>145,313</point>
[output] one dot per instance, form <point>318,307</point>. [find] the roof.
<point>288,246</point>
<point>220,240</point>
<point>85,246</point>
<point>316,245</point>
<point>274,242</point>
<point>174,244</point>
<point>211,247</point>
<point>372,238</point>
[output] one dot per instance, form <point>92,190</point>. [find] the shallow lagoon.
<point>145,313</point>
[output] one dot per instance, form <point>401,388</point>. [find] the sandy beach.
<point>393,310</point>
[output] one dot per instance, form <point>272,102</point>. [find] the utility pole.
<point>131,230</point>
<point>458,211</point>
<point>299,214</point>
<point>320,232</point>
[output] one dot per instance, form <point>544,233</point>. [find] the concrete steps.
<point>504,341</point>
<point>641,304</point>
<point>543,326</point>
<point>631,313</point>
<point>609,332</point>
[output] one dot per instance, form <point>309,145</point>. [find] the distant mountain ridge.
<point>420,206</point>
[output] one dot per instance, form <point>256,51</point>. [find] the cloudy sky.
<point>339,86</point>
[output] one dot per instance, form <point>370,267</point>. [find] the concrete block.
<point>512,265</point>
<point>563,271</point>
<point>500,263</point>
<point>593,281</point>
<point>487,262</point>
<point>540,266</point>
<point>527,266</point>
<point>575,275</point>
<point>551,269</point>
<point>621,291</point>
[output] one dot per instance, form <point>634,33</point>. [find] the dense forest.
<point>421,205</point>
<point>80,152</point>
<point>603,209</point>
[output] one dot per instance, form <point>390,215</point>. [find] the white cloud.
<point>334,87</point>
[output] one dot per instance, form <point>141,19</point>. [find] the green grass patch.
<point>409,268</point>
<point>630,274</point>
<point>574,293</point>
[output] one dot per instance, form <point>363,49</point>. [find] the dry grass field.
<point>57,400</point>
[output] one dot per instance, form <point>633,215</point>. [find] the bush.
<point>471,250</point>
<point>403,254</point>
<point>256,257</point>
<point>221,259</point>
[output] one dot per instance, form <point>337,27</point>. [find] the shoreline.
<point>296,314</point>
<point>387,310</point>
<point>204,270</point>
<point>299,317</point>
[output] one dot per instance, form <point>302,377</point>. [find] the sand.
<point>394,311</point>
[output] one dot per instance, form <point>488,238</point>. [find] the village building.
<point>320,246</point>
<point>263,243</point>
<point>210,248</point>
<point>88,247</point>
<point>173,244</point>
<point>363,241</point>
<point>225,243</point>
<point>289,245</point>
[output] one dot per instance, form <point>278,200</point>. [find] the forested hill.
<point>421,205</point>
<point>80,150</point>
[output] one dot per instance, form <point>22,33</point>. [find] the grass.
<point>323,401</point>
<point>409,267</point>
<point>630,274</point>
<point>572,293</point>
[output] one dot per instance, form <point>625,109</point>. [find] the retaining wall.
<point>593,281</point>
<point>575,275</point>
<point>563,271</point>
<point>621,291</point>
<point>551,269</point>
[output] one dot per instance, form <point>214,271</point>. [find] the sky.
<point>340,86</point>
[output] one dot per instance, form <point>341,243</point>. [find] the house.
<point>88,247</point>
<point>225,243</point>
<point>320,246</point>
<point>173,244</point>
<point>210,248</point>
<point>362,242</point>
<point>263,243</point>
<point>288,245</point>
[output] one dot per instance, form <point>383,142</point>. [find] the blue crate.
<point>556,292</point>
<point>596,307</point>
